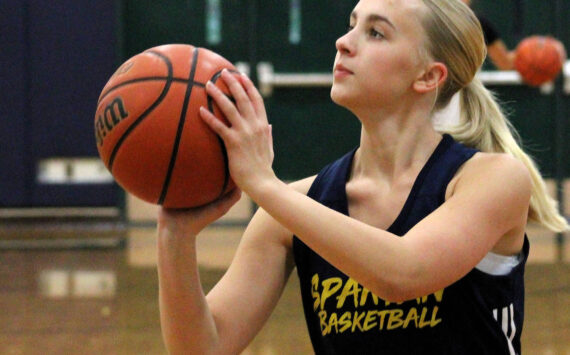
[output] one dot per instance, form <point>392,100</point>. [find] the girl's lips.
<point>341,71</point>
<point>342,68</point>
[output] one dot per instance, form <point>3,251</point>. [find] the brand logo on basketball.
<point>123,69</point>
<point>113,113</point>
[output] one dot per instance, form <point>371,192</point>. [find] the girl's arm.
<point>489,204</point>
<point>225,321</point>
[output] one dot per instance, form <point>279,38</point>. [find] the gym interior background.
<point>76,252</point>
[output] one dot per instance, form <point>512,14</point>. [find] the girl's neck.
<point>391,147</point>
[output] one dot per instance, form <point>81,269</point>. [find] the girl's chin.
<point>340,98</point>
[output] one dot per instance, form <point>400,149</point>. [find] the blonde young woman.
<point>414,242</point>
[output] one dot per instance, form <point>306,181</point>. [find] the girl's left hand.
<point>248,138</point>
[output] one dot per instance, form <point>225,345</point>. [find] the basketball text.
<point>123,69</point>
<point>346,306</point>
<point>114,113</point>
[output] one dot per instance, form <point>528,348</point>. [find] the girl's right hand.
<point>189,222</point>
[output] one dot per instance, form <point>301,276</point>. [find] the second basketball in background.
<point>539,59</point>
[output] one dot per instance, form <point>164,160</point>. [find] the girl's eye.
<point>372,32</point>
<point>376,34</point>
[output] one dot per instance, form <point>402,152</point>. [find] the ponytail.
<point>454,36</point>
<point>483,126</point>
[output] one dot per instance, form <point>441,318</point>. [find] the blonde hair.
<point>455,37</point>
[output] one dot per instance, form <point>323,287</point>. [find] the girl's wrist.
<point>266,189</point>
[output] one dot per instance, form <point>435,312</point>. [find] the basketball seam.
<point>214,78</point>
<point>150,78</point>
<point>145,113</point>
<point>181,122</point>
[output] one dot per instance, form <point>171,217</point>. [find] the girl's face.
<point>378,59</point>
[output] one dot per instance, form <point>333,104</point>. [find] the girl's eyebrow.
<point>374,18</point>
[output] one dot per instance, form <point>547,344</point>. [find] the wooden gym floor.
<point>80,297</point>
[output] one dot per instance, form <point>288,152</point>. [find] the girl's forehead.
<point>403,13</point>
<point>395,8</point>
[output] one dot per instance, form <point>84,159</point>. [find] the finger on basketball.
<point>227,107</point>
<point>254,95</point>
<point>190,221</point>
<point>213,122</point>
<point>242,99</point>
<point>222,205</point>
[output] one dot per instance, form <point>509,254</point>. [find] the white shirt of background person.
<point>447,116</point>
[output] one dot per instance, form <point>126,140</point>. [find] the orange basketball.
<point>149,133</point>
<point>539,59</point>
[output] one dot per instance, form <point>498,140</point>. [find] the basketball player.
<point>412,243</point>
<point>498,52</point>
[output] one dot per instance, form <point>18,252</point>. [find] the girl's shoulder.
<point>484,162</point>
<point>492,169</point>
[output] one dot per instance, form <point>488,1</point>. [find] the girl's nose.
<point>343,44</point>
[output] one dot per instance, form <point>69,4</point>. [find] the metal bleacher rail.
<point>268,79</point>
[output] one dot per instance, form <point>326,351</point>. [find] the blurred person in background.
<point>500,55</point>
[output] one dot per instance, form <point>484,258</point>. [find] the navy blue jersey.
<point>478,314</point>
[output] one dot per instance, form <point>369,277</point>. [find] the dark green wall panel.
<point>309,130</point>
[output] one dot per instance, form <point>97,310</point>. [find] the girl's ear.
<point>432,78</point>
